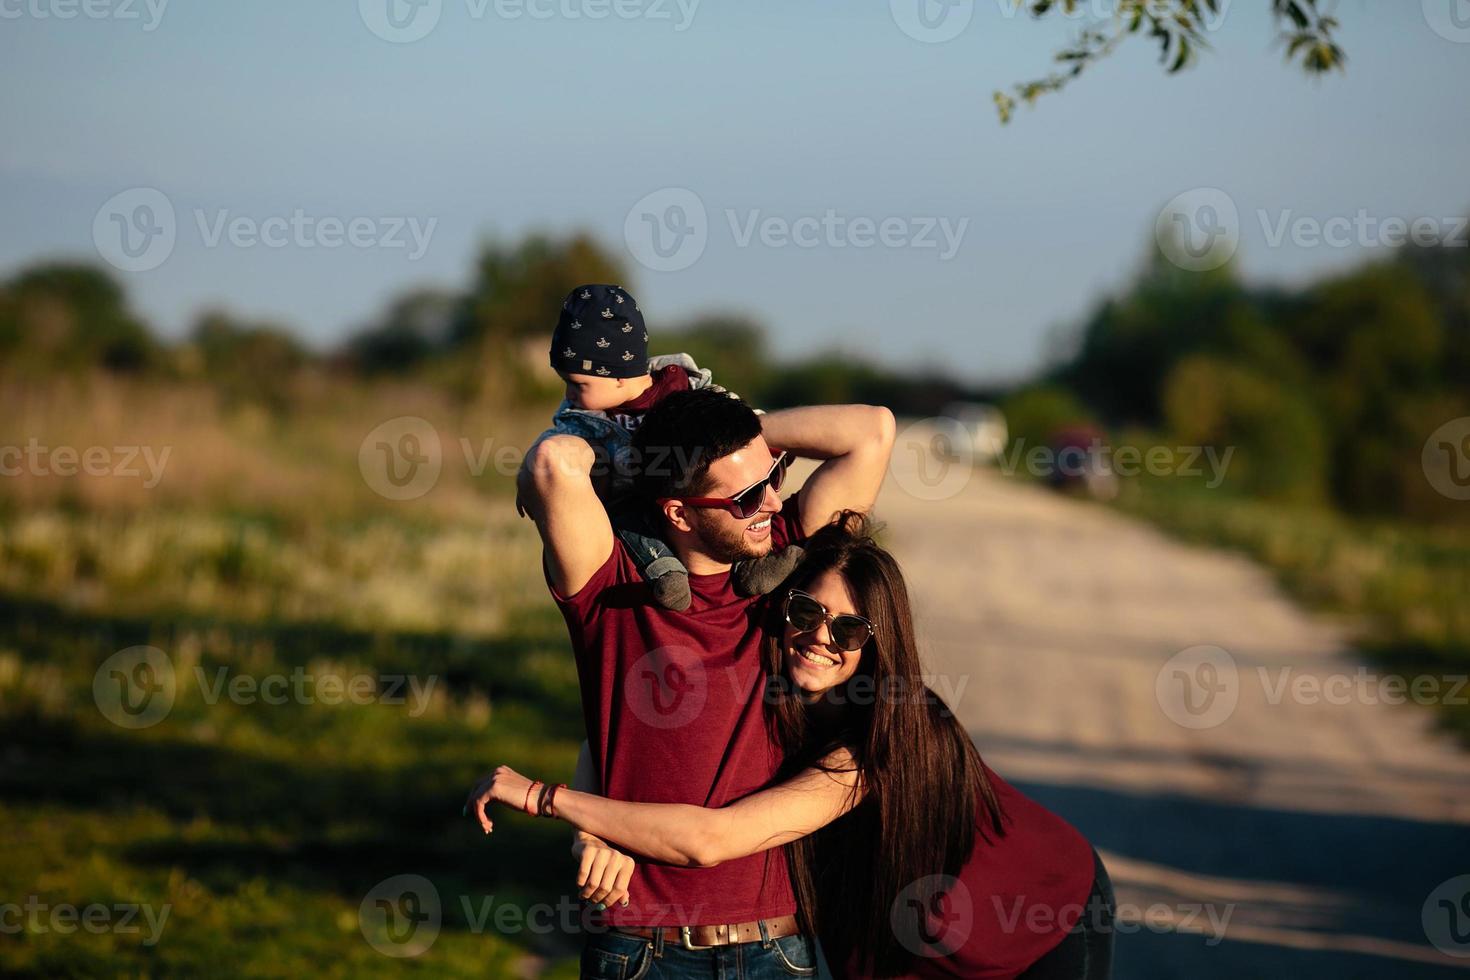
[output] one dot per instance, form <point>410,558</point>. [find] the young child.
<point>600,349</point>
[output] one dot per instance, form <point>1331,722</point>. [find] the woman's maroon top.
<point>1013,901</point>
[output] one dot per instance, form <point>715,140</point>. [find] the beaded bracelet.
<point>548,808</point>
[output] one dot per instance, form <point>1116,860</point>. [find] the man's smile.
<point>760,528</point>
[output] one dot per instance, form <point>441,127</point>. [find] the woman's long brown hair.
<point>926,789</point>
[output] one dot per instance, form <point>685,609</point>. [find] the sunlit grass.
<point>378,573</point>
<point>265,558</point>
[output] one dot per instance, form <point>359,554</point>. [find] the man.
<point>672,699</point>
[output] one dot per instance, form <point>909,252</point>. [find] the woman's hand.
<point>504,786</point>
<point>603,871</point>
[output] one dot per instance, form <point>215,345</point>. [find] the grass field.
<point>341,667</point>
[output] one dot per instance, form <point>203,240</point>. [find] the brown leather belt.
<point>705,937</point>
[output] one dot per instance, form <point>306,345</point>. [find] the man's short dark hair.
<point>682,435</point>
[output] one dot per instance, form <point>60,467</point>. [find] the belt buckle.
<point>688,943</point>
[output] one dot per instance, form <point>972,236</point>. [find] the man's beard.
<point>727,543</point>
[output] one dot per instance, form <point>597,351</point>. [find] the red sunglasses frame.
<point>781,462</point>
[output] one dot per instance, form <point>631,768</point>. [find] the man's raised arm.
<point>555,487</point>
<point>853,441</point>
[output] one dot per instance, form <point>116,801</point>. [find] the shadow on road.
<point>1307,894</point>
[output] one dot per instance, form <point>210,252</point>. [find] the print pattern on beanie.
<point>600,331</point>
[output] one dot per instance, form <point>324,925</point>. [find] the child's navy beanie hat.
<point>600,331</point>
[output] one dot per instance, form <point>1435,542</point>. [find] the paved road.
<point>1320,827</point>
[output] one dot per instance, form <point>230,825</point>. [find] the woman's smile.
<point>813,662</point>
<point>820,660</point>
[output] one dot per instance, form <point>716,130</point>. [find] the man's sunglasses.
<point>849,632</point>
<point>746,503</point>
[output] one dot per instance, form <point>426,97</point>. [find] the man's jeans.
<point>614,955</point>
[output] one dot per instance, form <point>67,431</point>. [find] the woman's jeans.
<point>1087,952</point>
<point>615,955</point>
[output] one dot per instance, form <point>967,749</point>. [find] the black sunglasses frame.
<point>830,620</point>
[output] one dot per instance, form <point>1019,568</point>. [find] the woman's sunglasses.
<point>849,632</point>
<point>746,503</point>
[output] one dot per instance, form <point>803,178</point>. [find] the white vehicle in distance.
<point>982,428</point>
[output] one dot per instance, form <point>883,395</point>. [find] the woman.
<point>908,855</point>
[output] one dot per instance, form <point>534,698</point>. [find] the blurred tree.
<point>1178,28</point>
<point>512,306</point>
<point>1444,270</point>
<point>1279,439</point>
<point>1130,343</point>
<point>829,378</point>
<point>1377,343</point>
<point>417,326</point>
<point>71,315</point>
<point>837,377</point>
<point>249,362</point>
<point>1414,495</point>
<point>1327,393</point>
<point>732,346</point>
<point>1033,414</point>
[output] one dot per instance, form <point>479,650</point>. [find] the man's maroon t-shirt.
<point>673,707</point>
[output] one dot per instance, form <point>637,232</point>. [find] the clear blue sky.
<point>496,126</point>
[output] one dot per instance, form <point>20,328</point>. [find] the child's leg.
<point>760,576</point>
<point>653,556</point>
<point>655,559</point>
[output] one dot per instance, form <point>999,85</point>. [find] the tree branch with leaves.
<point>1179,29</point>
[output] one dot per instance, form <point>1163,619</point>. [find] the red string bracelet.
<point>526,806</point>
